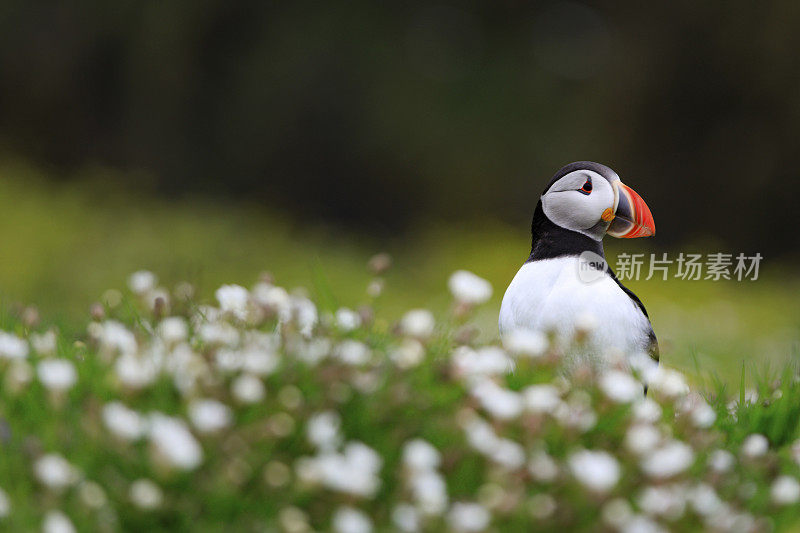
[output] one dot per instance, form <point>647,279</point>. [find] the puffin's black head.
<point>590,199</point>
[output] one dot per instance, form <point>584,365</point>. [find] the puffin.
<point>566,288</point>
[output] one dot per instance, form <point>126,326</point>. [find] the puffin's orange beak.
<point>632,217</point>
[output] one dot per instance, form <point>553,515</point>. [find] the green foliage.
<point>383,115</point>
<point>772,408</point>
<point>64,246</point>
<point>385,385</point>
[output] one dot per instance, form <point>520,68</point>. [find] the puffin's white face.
<point>582,201</point>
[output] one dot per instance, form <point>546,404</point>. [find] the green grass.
<point>381,405</point>
<point>63,246</point>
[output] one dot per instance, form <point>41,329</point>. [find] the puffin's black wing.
<point>652,348</point>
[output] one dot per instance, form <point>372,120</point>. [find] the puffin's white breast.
<point>548,296</point>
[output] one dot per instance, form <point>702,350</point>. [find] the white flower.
<point>641,524</point>
<point>173,329</point>
<point>616,513</point>
<point>481,436</point>
<point>542,467</point>
<point>311,351</point>
<point>258,340</point>
<point>668,382</point>
<point>597,470</point>
<point>354,472</point>
<point>697,409</point>
<point>642,438</point>
<point>219,333</point>
<point>233,300</point>
<point>209,416</point>
<point>375,288</point>
<point>142,282</point>
<point>322,430</point>
<point>525,342</point>
<point>57,374</point>
<point>750,396</point>
<point>259,361</point>
<point>145,494</point>
<point>500,403</point>
<point>406,518</point>
<point>205,314</point>
<point>305,315</point>
<point>420,456</point>
<point>92,494</point>
<point>359,453</point>
<point>247,388</point>
<point>418,323</point>
<point>508,454</point>
<point>785,490</point>
<point>666,501</point>
<point>620,386</point>
<point>575,414</point>
<point>19,373</point>
<point>430,492</point>
<point>123,422</point>
<point>186,367</point>
<point>57,522</point>
<point>468,517</point>
<point>5,504</point>
<point>487,361</point>
<point>352,352</point>
<point>643,366</point>
<point>114,337</point>
<point>54,471</point>
<point>668,460</point>
<point>274,298</point>
<point>647,410</point>
<point>347,319</point>
<point>136,371</point>
<point>468,288</point>
<point>542,398</point>
<point>704,500</point>
<point>174,442</point>
<point>703,416</point>
<point>349,520</point>
<point>12,347</point>
<point>409,354</point>
<point>45,343</point>
<point>720,461</point>
<point>229,361</point>
<point>727,519</point>
<point>755,445</point>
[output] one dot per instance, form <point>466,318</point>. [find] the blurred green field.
<point>63,246</point>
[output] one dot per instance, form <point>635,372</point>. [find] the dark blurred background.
<point>380,115</point>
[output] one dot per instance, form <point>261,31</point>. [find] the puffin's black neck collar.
<point>549,240</point>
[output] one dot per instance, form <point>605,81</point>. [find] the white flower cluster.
<point>173,444</point>
<point>346,423</point>
<point>427,486</point>
<point>353,470</point>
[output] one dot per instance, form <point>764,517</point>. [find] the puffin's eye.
<point>587,187</point>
